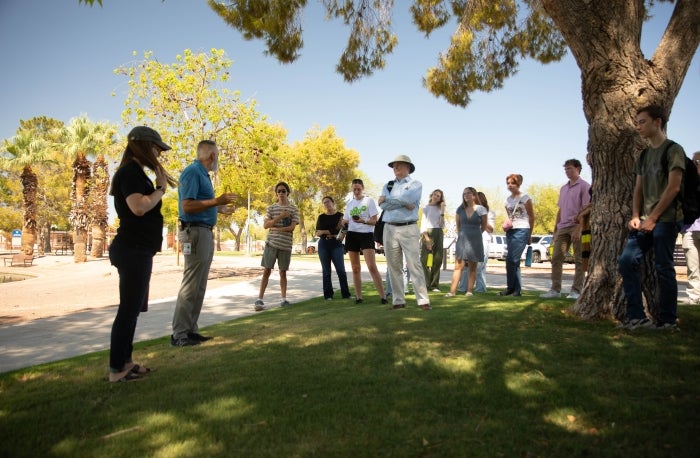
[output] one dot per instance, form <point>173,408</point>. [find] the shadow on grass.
<point>484,376</point>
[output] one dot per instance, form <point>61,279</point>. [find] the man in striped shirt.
<point>281,219</point>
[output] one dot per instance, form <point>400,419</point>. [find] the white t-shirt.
<point>515,207</point>
<point>365,208</point>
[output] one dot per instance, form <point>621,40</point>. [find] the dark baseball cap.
<point>146,134</point>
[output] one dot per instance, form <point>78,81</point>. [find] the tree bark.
<point>29,190</point>
<point>79,214</point>
<point>98,194</point>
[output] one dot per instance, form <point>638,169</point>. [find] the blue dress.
<point>470,244</point>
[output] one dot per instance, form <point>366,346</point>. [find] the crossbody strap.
<point>515,206</point>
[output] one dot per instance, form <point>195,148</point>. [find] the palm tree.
<point>98,198</point>
<point>24,150</point>
<point>83,138</point>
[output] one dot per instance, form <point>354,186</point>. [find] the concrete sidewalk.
<point>56,338</point>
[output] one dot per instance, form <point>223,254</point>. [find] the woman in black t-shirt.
<point>330,249</point>
<point>138,239</point>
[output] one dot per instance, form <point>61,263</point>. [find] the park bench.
<point>22,259</point>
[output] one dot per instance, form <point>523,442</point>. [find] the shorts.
<point>272,254</point>
<point>359,241</point>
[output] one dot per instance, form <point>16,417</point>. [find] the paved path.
<point>51,339</point>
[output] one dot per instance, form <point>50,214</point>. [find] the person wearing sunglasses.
<point>281,219</point>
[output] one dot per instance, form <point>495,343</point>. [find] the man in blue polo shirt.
<point>198,208</point>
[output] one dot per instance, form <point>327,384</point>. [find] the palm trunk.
<point>79,215</point>
<point>29,191</point>
<point>98,195</point>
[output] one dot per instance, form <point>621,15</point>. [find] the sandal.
<point>140,370</point>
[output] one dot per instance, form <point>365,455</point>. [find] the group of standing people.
<point>656,220</point>
<point>400,200</point>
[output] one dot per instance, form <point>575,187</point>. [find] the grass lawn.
<point>483,377</point>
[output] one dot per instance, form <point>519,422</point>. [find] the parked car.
<point>497,247</point>
<point>311,246</point>
<point>539,252</point>
<point>547,241</point>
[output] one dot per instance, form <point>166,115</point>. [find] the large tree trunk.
<point>616,80</point>
<point>29,189</point>
<point>79,214</point>
<point>98,197</point>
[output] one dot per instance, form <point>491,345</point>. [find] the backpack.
<point>379,225</point>
<point>690,184</point>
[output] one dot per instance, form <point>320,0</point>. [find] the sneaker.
<point>573,295</point>
<point>505,292</point>
<point>665,327</point>
<point>259,305</point>
<point>551,294</point>
<point>631,325</point>
<point>198,337</point>
<point>329,298</point>
<point>384,301</point>
<point>284,303</point>
<point>436,290</point>
<point>358,300</point>
<point>183,342</point>
<point>468,293</point>
<point>449,295</point>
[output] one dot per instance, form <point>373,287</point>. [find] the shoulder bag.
<point>379,225</point>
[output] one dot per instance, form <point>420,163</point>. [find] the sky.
<point>58,60</point>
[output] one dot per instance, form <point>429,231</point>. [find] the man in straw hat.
<point>400,201</point>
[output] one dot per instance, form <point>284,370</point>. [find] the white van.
<point>497,247</point>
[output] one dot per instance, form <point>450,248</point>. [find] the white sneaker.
<point>573,295</point>
<point>468,293</point>
<point>551,294</point>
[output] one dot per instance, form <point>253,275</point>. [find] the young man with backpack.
<point>691,231</point>
<point>656,218</point>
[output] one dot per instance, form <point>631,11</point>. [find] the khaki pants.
<point>563,240</point>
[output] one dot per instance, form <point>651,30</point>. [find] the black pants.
<point>134,266</point>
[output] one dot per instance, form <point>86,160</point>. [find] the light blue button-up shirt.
<point>405,191</point>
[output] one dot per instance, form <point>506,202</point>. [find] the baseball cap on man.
<point>146,134</point>
<point>403,158</point>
